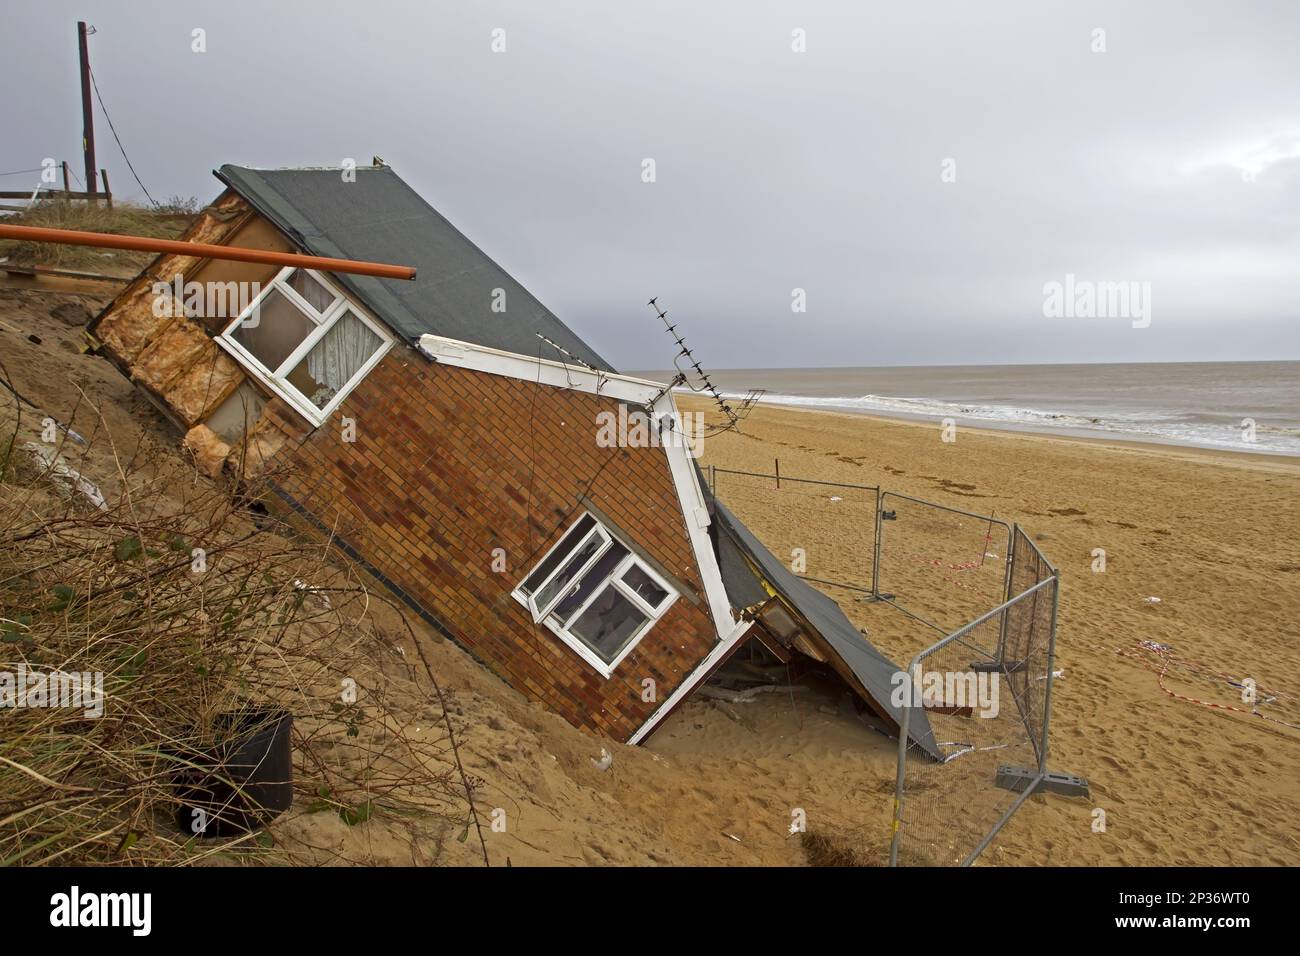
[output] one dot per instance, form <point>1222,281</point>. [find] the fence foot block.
<point>1016,779</point>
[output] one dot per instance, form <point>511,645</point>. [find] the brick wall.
<point>440,474</point>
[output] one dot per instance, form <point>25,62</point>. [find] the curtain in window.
<point>338,356</point>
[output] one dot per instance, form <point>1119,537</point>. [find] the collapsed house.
<point>444,432</point>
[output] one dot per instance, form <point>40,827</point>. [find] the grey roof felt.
<point>743,587</point>
<point>380,218</point>
<point>873,669</point>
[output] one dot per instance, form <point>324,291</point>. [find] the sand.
<point>691,799</point>
<point>1215,536</point>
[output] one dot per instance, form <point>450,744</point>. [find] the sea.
<point>1249,407</point>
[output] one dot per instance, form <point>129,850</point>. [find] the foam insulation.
<point>250,456</point>
<point>207,448</point>
<point>129,324</point>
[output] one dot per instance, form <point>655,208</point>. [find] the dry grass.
<point>825,850</point>
<point>854,846</point>
<point>124,218</point>
<point>193,603</point>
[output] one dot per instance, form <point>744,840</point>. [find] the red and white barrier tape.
<point>1164,655</point>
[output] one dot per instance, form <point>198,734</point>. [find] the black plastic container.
<point>252,751</point>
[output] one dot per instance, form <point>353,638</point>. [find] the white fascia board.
<point>530,368</point>
<point>721,649</point>
<point>695,511</point>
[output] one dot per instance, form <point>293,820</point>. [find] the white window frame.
<point>614,579</point>
<point>276,379</point>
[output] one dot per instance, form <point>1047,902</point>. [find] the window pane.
<point>317,296</point>
<point>333,360</point>
<point>645,586</point>
<point>273,330</point>
<point>567,544</point>
<point>609,623</point>
<point>593,579</point>
<point>565,576</point>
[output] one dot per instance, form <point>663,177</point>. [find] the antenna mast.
<point>733,415</point>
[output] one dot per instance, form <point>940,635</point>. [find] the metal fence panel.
<point>988,711</point>
<point>940,565</point>
<point>1023,637</point>
<point>832,522</point>
<point>985,687</point>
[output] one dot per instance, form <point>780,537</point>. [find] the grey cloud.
<point>776,170</point>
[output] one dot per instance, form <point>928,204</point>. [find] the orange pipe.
<point>205,250</point>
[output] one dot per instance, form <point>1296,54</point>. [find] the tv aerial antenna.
<point>697,380</point>
<point>576,360</point>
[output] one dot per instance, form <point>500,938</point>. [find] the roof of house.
<point>873,669</point>
<point>379,218</point>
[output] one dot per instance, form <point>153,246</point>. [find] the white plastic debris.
<point>605,762</point>
<point>61,470</point>
<point>316,593</point>
<point>1151,600</point>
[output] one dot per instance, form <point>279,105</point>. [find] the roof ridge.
<point>306,169</point>
<point>460,292</point>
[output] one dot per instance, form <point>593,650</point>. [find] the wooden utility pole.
<point>87,116</point>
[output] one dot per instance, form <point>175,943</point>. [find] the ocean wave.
<point>1159,426</point>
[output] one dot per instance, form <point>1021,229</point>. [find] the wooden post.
<point>108,193</point>
<point>988,537</point>
<point>87,114</point>
<point>778,472</point>
<point>67,180</point>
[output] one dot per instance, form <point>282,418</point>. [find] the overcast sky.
<point>1173,157</point>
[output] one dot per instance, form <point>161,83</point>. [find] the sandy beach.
<point>1214,536</point>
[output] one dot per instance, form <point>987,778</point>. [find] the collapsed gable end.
<point>795,612</point>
